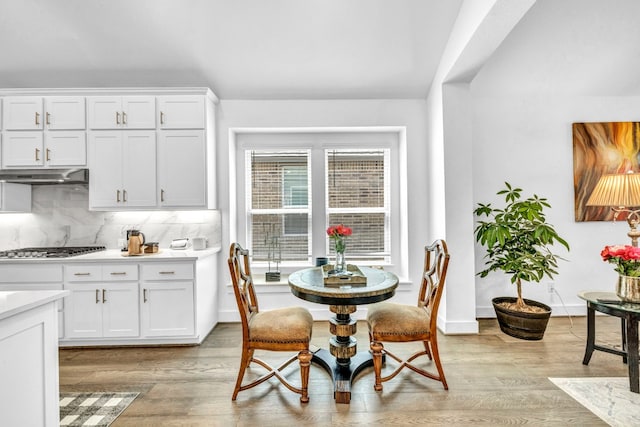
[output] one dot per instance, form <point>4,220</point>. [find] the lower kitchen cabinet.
<point>96,310</point>
<point>167,309</point>
<point>103,302</point>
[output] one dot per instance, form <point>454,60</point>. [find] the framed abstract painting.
<point>601,148</point>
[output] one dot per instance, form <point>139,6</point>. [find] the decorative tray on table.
<point>353,276</point>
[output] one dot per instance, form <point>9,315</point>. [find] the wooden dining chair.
<point>284,329</point>
<point>391,322</point>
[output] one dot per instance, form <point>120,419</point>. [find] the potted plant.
<point>518,239</point>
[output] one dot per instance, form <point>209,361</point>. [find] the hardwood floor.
<point>493,379</point>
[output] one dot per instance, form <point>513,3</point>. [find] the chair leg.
<point>305,361</point>
<point>247,355</point>
<point>436,359</point>
<point>376,349</point>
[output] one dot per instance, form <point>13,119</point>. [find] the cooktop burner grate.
<point>50,252</point>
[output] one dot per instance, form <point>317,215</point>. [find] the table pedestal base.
<point>342,374</point>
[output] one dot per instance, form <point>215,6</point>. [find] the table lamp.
<point>622,193</point>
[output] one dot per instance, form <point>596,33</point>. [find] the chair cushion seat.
<point>281,329</point>
<point>397,322</point>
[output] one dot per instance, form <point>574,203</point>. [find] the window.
<point>296,184</point>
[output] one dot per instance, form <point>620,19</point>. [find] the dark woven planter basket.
<point>518,324</point>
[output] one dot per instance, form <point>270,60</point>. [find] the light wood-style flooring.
<point>493,380</point>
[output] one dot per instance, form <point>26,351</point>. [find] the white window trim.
<point>286,140</point>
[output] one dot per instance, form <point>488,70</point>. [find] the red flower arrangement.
<point>626,258</point>
<point>338,233</point>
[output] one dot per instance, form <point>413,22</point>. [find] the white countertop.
<point>164,254</point>
<point>12,303</point>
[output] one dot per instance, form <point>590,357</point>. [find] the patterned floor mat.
<point>92,409</point>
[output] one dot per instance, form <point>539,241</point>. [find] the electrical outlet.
<point>551,287</point>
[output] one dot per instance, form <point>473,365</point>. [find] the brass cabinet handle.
<point>118,196</point>
<point>167,272</point>
<point>104,295</point>
<point>97,296</point>
<point>48,154</point>
<point>162,195</point>
<point>124,195</point>
<point>82,274</point>
<point>161,118</point>
<point>124,118</point>
<point>48,118</point>
<point>117,117</point>
<point>144,295</point>
<point>37,118</point>
<point>37,154</point>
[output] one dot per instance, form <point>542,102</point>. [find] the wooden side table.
<point>629,313</point>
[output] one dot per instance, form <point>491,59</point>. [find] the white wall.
<point>334,113</point>
<point>527,140</point>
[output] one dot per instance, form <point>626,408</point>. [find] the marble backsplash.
<point>60,217</point>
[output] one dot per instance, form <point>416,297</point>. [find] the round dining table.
<point>342,361</point>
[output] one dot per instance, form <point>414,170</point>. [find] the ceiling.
<point>242,49</point>
<point>310,49</point>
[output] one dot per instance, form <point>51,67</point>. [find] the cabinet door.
<point>120,305</point>
<point>64,113</point>
<point>22,113</point>
<point>139,112</point>
<point>181,112</point>
<point>105,163</point>
<point>65,148</point>
<point>20,149</point>
<point>139,168</point>
<point>83,311</point>
<point>104,112</point>
<point>167,309</point>
<point>182,174</point>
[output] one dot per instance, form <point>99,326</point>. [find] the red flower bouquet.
<point>626,258</point>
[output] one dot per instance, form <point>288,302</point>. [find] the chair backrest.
<point>242,281</point>
<point>436,262</point>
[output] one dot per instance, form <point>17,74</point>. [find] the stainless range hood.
<point>45,176</point>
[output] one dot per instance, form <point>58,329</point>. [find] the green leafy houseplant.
<point>517,239</point>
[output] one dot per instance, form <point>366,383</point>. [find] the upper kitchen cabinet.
<point>122,167</point>
<point>51,149</point>
<point>37,112</point>
<point>182,171</point>
<point>181,112</point>
<point>122,112</point>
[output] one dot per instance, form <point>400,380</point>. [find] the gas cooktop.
<point>50,252</point>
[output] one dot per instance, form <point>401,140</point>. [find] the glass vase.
<point>628,288</point>
<point>341,263</point>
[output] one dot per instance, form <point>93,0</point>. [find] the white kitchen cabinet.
<point>34,149</point>
<point>103,302</point>
<point>167,299</point>
<point>60,113</point>
<point>181,112</point>
<point>15,197</point>
<point>182,170</point>
<point>122,112</point>
<point>123,169</point>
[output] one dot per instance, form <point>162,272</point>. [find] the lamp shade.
<point>619,190</point>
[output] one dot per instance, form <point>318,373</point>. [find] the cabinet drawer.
<point>82,273</point>
<point>30,273</point>
<point>118,272</point>
<point>167,271</point>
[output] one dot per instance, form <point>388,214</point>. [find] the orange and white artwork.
<point>601,148</point>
